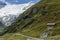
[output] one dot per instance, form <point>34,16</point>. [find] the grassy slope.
<point>57,37</point>
<point>34,24</point>
<point>12,36</point>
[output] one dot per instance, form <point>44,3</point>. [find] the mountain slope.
<point>13,11</point>
<point>10,12</point>
<point>33,22</point>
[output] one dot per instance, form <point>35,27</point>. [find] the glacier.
<point>10,12</point>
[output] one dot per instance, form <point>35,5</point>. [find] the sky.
<point>19,1</point>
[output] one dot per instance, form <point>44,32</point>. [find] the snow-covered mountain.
<point>10,12</point>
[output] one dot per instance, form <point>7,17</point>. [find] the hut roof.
<point>51,24</point>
